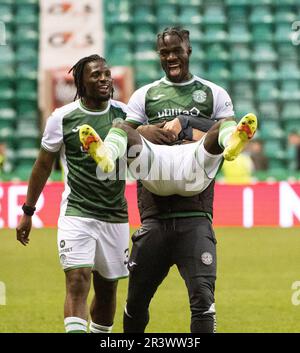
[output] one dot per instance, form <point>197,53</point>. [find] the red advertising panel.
<point>261,204</point>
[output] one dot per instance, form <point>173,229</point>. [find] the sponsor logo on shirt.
<point>177,111</point>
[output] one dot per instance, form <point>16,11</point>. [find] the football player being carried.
<point>185,168</point>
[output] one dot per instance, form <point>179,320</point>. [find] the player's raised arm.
<point>39,176</point>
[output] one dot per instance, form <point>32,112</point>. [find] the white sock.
<point>75,324</point>
<point>95,328</point>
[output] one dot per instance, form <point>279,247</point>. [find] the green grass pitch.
<point>256,270</point>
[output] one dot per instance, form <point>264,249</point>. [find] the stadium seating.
<point>19,123</point>
<point>245,46</point>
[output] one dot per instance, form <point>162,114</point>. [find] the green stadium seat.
<point>26,33</point>
<point>283,32</point>
<point>118,11</point>
<point>143,14</point>
<point>166,2</point>
<point>166,14</point>
<point>239,52</point>
<point>28,142</point>
<point>26,90</point>
<point>290,90</point>
<point>189,14</point>
<point>290,111</point>
<point>265,71</point>
<point>261,2</point>
<point>7,54</point>
<point>144,52</point>
<point>285,2</point>
<point>144,33</point>
<point>237,2</point>
<point>196,35</point>
<point>27,70</point>
<point>292,125</point>
<point>262,32</point>
<point>26,52</point>
<point>238,33</point>
<point>285,13</point>
<point>7,114</point>
<point>197,68</point>
<point>120,33</point>
<point>267,91</point>
<point>7,135</point>
<point>263,52</point>
<point>146,71</point>
<point>289,69</point>
<point>269,129</point>
<point>242,107</point>
<point>24,2</point>
<point>214,33</point>
<point>214,14</point>
<point>6,90</point>
<point>27,14</point>
<point>195,3</point>
<point>6,13</point>
<point>278,167</point>
<point>216,52</point>
<point>268,111</point>
<point>237,14</point>
<point>198,51</point>
<point>261,14</point>
<point>287,51</point>
<point>120,54</point>
<point>27,110</point>
<point>242,90</point>
<point>217,70</point>
<point>24,168</point>
<point>241,70</point>
<point>273,148</point>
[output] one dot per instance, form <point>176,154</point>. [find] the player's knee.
<point>135,321</point>
<point>77,282</point>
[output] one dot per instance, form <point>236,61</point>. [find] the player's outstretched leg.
<point>239,138</point>
<point>94,146</point>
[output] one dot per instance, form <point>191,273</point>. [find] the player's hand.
<point>173,126</point>
<point>157,134</point>
<point>23,229</point>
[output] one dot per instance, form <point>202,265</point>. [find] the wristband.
<point>187,131</point>
<point>28,210</point>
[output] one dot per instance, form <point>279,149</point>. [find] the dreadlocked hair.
<point>183,34</point>
<point>77,71</point>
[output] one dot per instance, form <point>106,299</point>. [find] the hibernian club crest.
<point>199,96</point>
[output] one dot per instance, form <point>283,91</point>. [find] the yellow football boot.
<point>244,132</point>
<point>94,146</point>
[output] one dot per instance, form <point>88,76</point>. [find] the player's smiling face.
<point>174,56</point>
<point>97,81</point>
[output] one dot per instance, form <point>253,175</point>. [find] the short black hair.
<point>77,71</point>
<point>182,33</point>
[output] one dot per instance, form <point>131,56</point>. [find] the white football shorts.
<point>86,242</point>
<point>184,170</point>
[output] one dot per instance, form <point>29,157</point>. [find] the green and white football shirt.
<point>164,100</point>
<point>85,195</point>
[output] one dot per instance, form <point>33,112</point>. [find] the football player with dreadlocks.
<point>93,230</point>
